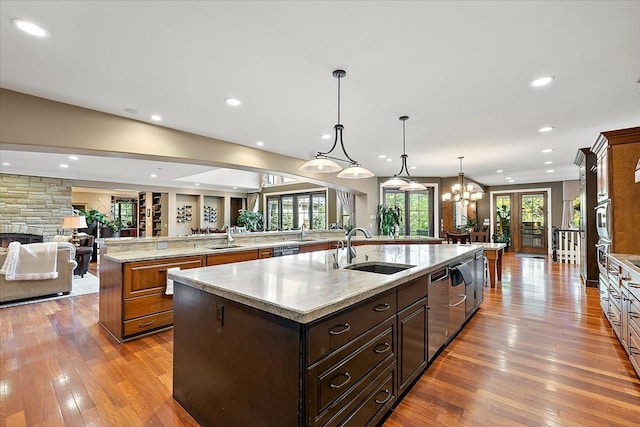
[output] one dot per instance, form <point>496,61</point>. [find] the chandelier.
<point>324,163</point>
<point>460,191</point>
<point>405,183</point>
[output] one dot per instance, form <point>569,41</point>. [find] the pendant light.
<point>460,191</point>
<point>405,183</point>
<point>324,163</point>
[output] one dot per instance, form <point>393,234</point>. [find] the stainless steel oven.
<point>603,216</point>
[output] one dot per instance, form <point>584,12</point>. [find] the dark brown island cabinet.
<point>235,365</point>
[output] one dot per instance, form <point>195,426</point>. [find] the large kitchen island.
<point>308,340</point>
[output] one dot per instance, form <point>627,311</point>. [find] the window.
<point>291,211</point>
<point>417,216</point>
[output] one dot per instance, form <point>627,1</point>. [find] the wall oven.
<point>603,219</point>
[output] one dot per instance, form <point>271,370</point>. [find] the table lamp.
<point>74,222</point>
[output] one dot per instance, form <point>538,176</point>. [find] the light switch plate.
<point>163,245</point>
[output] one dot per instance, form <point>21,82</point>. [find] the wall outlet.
<point>163,245</point>
<point>258,239</point>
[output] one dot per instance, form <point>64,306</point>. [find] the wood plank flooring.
<point>539,352</point>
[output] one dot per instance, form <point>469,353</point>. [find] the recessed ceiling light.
<point>512,180</point>
<point>63,165</point>
<point>548,150</point>
<point>389,159</point>
<point>260,143</point>
<point>413,167</point>
<point>549,162</point>
<point>153,175</point>
<point>542,81</point>
<point>74,158</point>
<point>545,129</point>
<point>6,164</point>
<point>382,156</point>
<point>326,136</point>
<point>197,183</point>
<point>156,117</point>
<point>30,28</point>
<point>499,171</point>
<point>507,177</point>
<point>549,170</point>
<point>235,188</point>
<point>233,102</point>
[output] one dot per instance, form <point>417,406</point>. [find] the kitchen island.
<point>295,341</point>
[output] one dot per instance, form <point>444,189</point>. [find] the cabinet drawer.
<point>412,291</point>
<point>336,375</point>
<point>232,257</point>
<point>634,348</point>
<point>149,277</point>
<point>371,404</point>
<point>634,285</point>
<point>314,247</point>
<point>634,312</point>
<point>265,253</point>
<point>332,333</point>
<point>143,306</point>
<point>148,323</point>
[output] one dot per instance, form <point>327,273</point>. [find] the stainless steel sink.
<point>222,247</point>
<point>379,267</point>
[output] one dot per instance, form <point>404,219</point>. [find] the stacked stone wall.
<point>33,204</point>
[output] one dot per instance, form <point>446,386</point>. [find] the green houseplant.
<point>388,219</point>
<point>253,221</point>
<point>504,218</point>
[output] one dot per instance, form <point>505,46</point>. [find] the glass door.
<point>533,230</point>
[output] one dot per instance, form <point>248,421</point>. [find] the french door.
<point>527,220</point>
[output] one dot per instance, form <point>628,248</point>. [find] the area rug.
<point>89,284</point>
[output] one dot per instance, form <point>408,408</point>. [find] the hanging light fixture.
<point>460,191</point>
<point>405,183</point>
<point>324,163</point>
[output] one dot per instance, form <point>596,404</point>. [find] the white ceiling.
<point>460,70</point>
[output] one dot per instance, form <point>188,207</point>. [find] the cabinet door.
<point>149,277</point>
<point>314,247</point>
<point>603,175</point>
<point>412,342</point>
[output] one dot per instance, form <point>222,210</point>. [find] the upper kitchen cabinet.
<point>618,196</point>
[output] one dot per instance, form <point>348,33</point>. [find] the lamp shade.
<point>413,186</point>
<point>394,182</point>
<point>355,172</point>
<point>320,164</point>
<point>75,221</point>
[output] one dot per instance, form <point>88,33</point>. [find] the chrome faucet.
<point>351,251</point>
<point>339,245</point>
<point>229,238</point>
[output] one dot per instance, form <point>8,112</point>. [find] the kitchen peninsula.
<point>133,271</point>
<point>301,341</point>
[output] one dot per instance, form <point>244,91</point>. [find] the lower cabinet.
<point>414,341</point>
<point>133,301</point>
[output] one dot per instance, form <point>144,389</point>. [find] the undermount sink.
<point>379,267</point>
<point>222,247</point>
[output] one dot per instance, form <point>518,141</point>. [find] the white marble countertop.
<point>306,287</point>
<point>626,260</point>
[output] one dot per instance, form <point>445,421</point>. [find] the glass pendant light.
<point>323,163</point>
<point>406,183</point>
<point>460,191</point>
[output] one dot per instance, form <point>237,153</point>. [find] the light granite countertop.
<point>628,260</point>
<point>306,287</point>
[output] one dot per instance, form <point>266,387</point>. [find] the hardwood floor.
<point>539,352</point>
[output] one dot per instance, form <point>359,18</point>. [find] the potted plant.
<point>388,219</point>
<point>504,218</point>
<point>253,221</point>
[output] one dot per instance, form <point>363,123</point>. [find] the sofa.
<point>22,289</point>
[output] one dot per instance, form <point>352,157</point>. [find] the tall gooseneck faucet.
<point>351,251</point>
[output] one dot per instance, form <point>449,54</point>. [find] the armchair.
<point>83,254</point>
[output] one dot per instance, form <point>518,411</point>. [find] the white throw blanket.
<point>35,261</point>
<point>169,290</point>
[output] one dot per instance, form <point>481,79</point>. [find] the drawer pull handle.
<point>464,298</point>
<point>615,323</point>
<point>382,348</point>
<point>386,399</point>
<point>634,316</point>
<point>633,350</point>
<point>382,307</point>
<point>345,328</point>
<point>605,299</point>
<point>343,383</point>
<point>144,325</point>
<point>634,285</point>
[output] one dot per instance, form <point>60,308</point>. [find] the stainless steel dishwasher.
<point>438,316</point>
<point>457,299</point>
